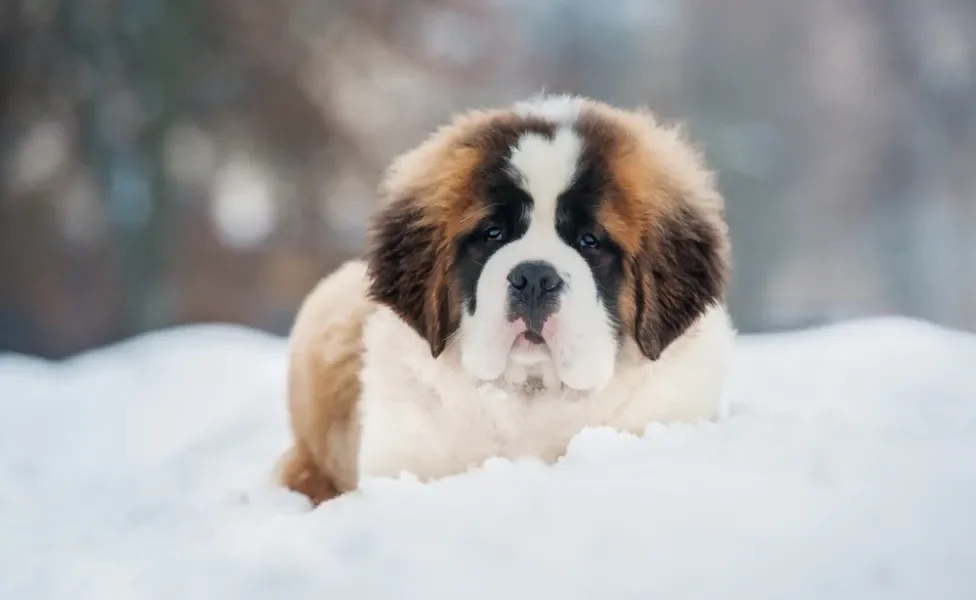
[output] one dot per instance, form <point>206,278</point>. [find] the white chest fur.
<point>429,418</point>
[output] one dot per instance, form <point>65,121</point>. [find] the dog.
<point>531,271</point>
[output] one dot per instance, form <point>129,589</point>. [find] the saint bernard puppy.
<point>532,271</point>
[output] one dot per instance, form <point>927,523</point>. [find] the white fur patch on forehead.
<point>558,108</point>
<point>546,167</point>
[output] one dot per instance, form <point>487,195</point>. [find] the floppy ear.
<point>681,269</point>
<point>408,263</point>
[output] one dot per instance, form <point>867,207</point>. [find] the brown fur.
<point>660,206</point>
<point>664,211</point>
<point>326,349</point>
<point>435,194</point>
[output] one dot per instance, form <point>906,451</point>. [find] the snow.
<point>846,470</point>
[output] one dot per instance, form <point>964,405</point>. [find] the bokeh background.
<point>177,161</point>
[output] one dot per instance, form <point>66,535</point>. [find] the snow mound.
<point>847,469</point>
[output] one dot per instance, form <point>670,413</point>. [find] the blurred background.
<point>177,161</point>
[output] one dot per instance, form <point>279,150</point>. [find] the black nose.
<point>535,279</point>
<point>533,289</point>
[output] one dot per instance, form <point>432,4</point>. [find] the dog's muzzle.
<point>533,291</point>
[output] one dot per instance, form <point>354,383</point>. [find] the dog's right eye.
<point>494,234</point>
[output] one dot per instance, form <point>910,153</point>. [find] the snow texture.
<point>847,470</point>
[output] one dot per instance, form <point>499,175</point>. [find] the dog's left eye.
<point>494,234</point>
<point>588,240</point>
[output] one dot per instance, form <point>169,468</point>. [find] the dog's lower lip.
<point>533,337</point>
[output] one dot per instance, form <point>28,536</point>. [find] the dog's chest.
<point>516,423</point>
<point>430,419</point>
<point>450,430</point>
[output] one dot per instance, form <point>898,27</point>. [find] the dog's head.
<point>542,237</point>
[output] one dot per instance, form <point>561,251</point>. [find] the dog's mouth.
<point>530,348</point>
<point>530,367</point>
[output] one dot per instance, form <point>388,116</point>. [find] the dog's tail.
<point>297,470</point>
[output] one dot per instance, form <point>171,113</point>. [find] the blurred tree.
<point>172,161</point>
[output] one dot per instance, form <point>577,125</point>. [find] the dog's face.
<point>540,239</point>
